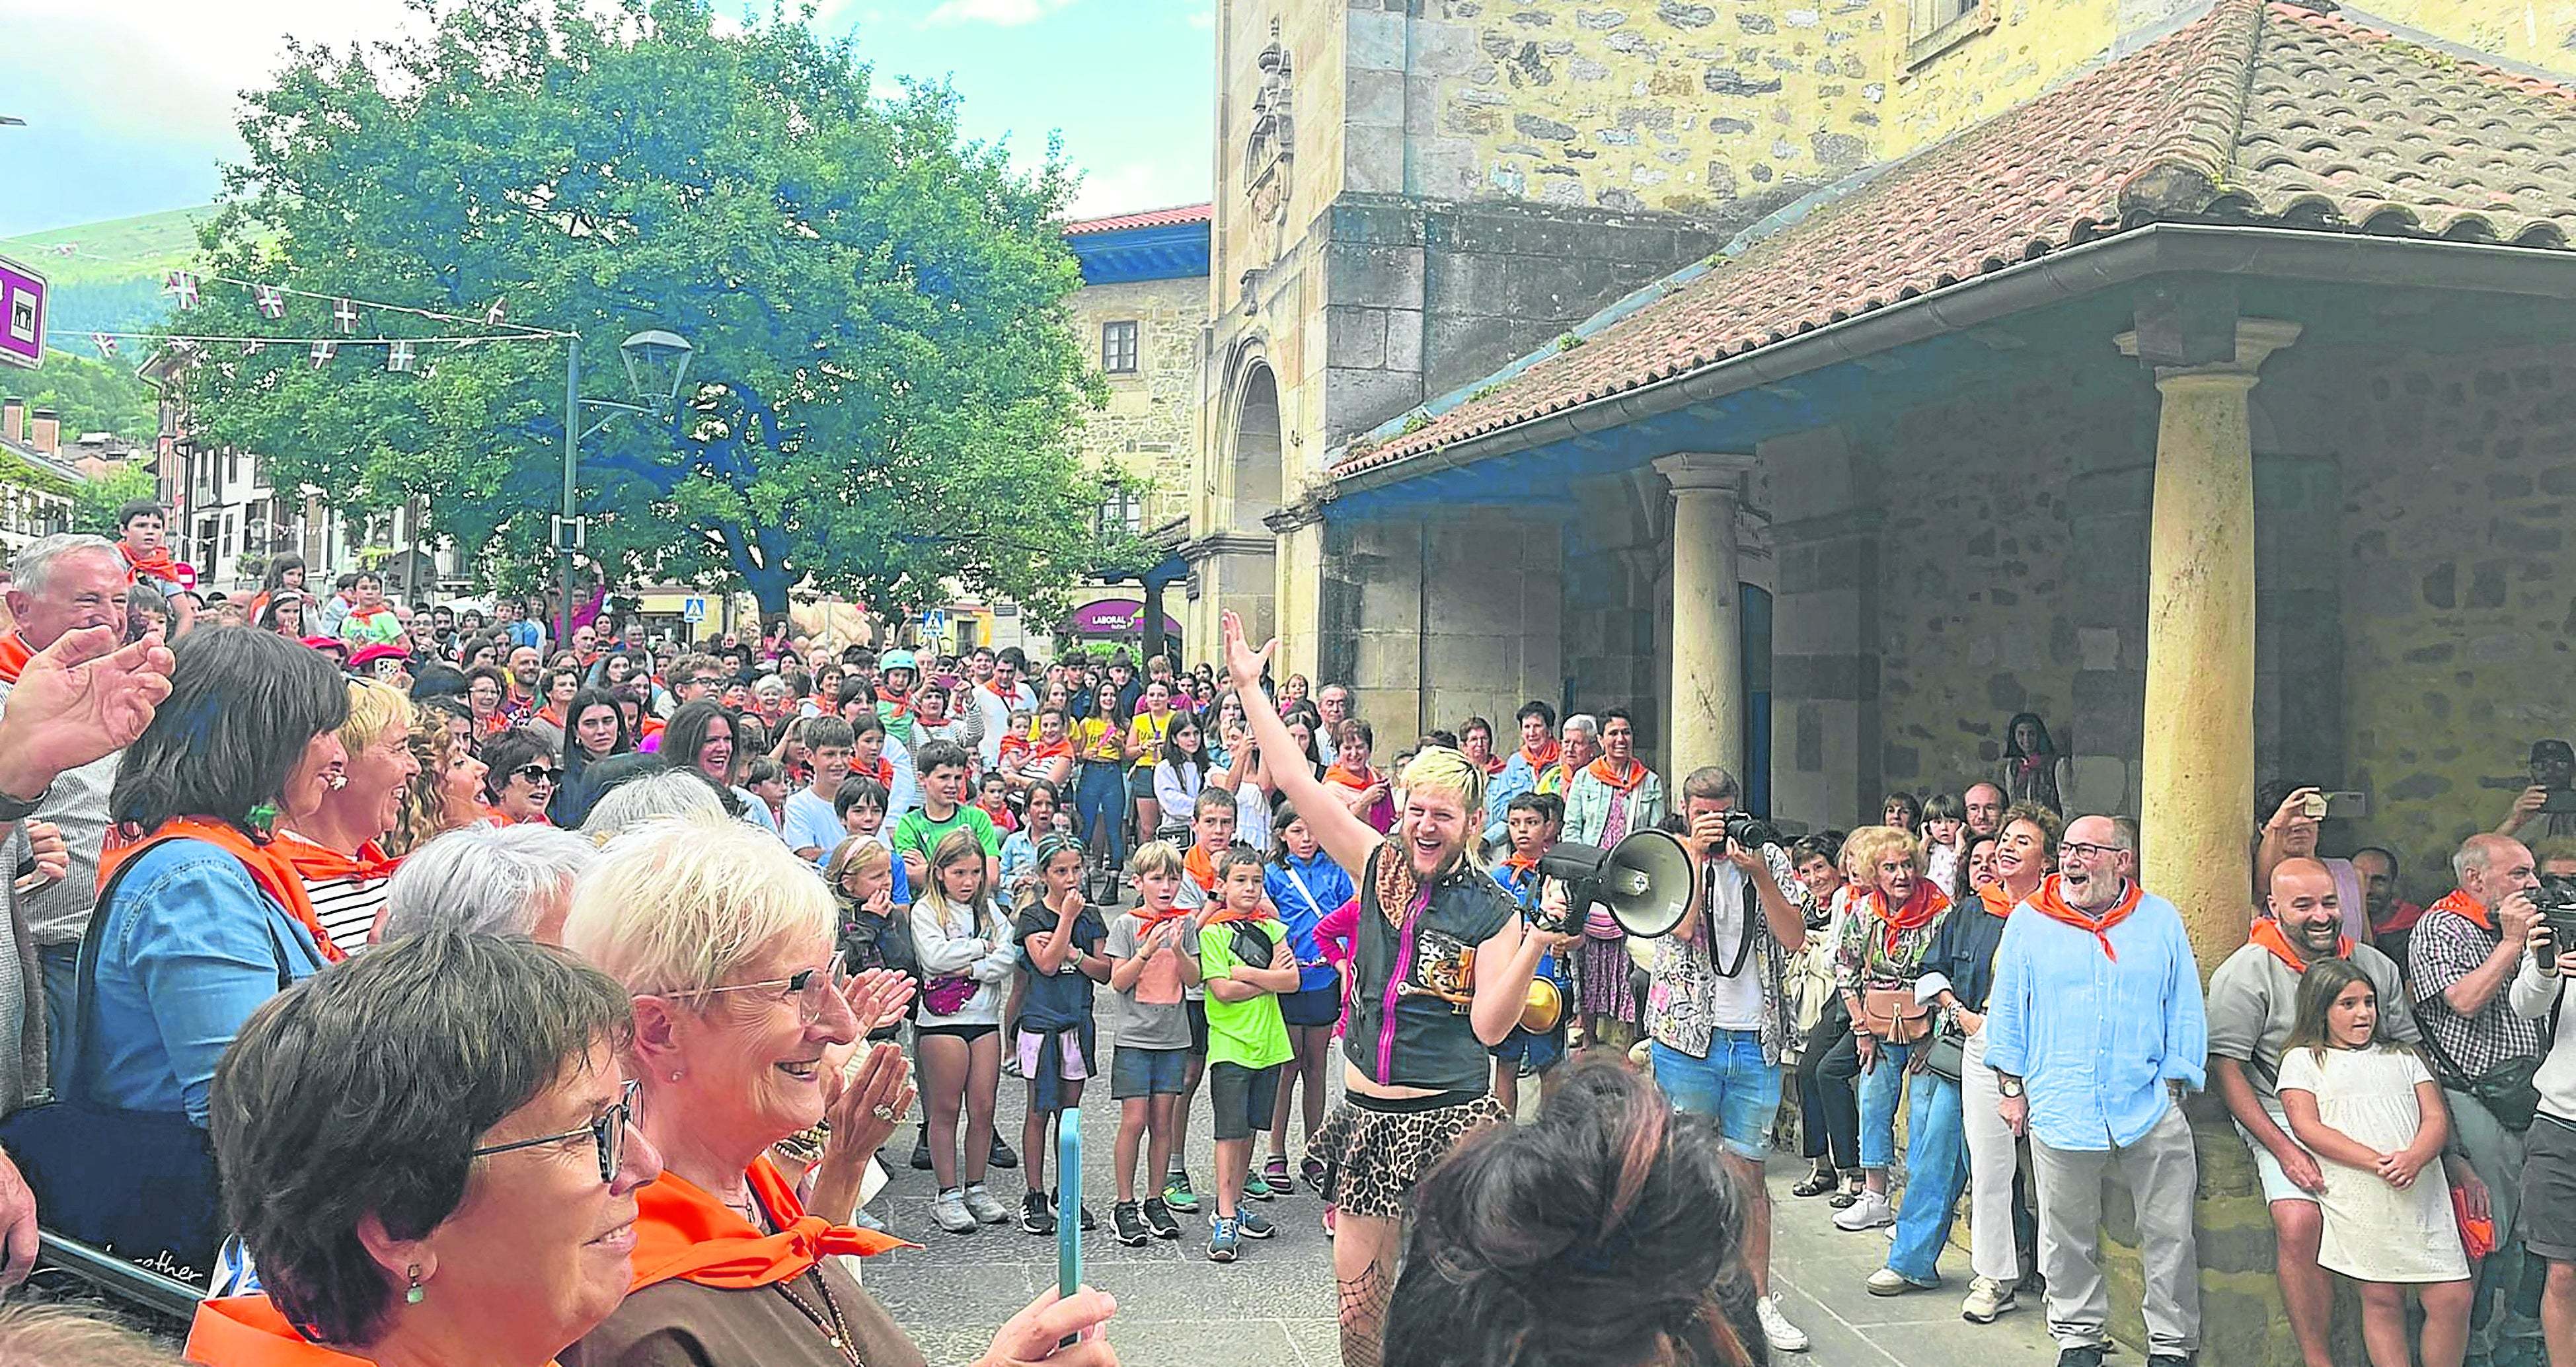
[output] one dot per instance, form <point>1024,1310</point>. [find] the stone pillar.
<point>2196,790</point>
<point>1707,689</point>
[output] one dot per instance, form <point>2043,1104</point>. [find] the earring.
<point>415,1295</point>
<point>675,1075</point>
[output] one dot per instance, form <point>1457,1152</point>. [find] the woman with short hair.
<point>337,848</point>
<point>521,776</point>
<point>466,1197</point>
<point>493,880</point>
<point>724,940</point>
<point>1890,932</point>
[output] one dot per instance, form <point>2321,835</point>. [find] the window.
<point>1124,508</point>
<point>1118,346</point>
<point>1933,26</point>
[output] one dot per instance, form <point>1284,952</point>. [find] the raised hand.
<point>1243,664</point>
<point>80,699</point>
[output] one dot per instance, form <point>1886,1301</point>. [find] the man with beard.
<point>2290,833</point>
<point>1985,804</point>
<point>2253,1007</point>
<point>1423,1012</point>
<point>2095,1030</point>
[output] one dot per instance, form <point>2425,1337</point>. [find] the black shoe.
<point>1002,1157</point>
<point>2081,1355</point>
<point>1159,1216</point>
<point>921,1150</point>
<point>1131,1226</point>
<point>1089,1222</point>
<point>1035,1216</point>
<point>2171,1359</point>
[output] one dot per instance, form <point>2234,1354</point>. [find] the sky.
<point>131,104</point>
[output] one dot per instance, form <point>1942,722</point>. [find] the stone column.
<point>1708,629</point>
<point>2196,792</point>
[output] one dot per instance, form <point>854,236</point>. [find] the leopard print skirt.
<point>1378,1150</point>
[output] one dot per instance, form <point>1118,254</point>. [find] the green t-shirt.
<point>1248,1034</point>
<point>916,833</point>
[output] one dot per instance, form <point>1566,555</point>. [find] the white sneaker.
<point>949,1210</point>
<point>1987,1298</point>
<point>1869,1212</point>
<point>1784,1336</point>
<point>981,1205</point>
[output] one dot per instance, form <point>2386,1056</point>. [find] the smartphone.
<point>2558,801</point>
<point>2347,806</point>
<point>2314,806</point>
<point>1068,1208</point>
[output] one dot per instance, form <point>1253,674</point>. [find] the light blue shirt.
<point>2095,1039</point>
<point>189,949</point>
<point>1516,778</point>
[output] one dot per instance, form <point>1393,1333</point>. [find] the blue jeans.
<point>1878,1089</point>
<point>1100,801</point>
<point>1936,1170</point>
<point>1733,1084</point>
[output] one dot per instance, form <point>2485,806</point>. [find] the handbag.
<point>1892,1014</point>
<point>1947,1054</point>
<point>2508,1090</point>
<point>141,1185</point>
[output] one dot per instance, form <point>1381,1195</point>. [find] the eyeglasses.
<point>704,681</point>
<point>811,989</point>
<point>2077,849</point>
<point>537,773</point>
<point>608,1131</point>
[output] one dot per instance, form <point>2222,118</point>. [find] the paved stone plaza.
<point>1274,1308</point>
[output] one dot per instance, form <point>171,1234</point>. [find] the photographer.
<point>2549,1170</point>
<point>2547,809</point>
<point>1716,1009</point>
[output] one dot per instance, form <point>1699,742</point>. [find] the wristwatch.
<point>19,809</point>
<point>2008,1086</point>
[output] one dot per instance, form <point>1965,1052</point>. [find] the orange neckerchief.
<point>2050,901</point>
<point>267,865</point>
<point>1624,782</point>
<point>548,714</point>
<point>319,863</point>
<point>365,614</point>
<point>685,1234</point>
<point>883,773</point>
<point>14,655</point>
<point>1495,765</point>
<point>1347,779</point>
<point>1051,749</point>
<point>248,1331</point>
<point>1011,745</point>
<point>1998,902</point>
<point>1541,758</point>
<point>2267,933</point>
<point>1523,862</point>
<point>1201,867</point>
<point>1225,916</point>
<point>2459,903</point>
<point>160,566</point>
<point>902,702</point>
<point>1920,907</point>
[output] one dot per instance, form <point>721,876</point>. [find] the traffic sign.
<point>22,315</point>
<point>934,623</point>
<point>693,610</point>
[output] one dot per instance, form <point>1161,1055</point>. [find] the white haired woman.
<point>492,880</point>
<point>724,940</point>
<point>1416,1072</point>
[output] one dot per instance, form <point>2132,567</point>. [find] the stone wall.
<point>2000,53</point>
<point>2539,32</point>
<point>2460,598</point>
<point>1436,620</point>
<point>1150,426</point>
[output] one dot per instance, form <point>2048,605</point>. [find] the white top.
<point>2375,1232</point>
<point>995,711</point>
<point>956,945</point>
<point>1733,1003</point>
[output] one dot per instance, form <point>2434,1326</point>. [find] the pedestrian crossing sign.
<point>693,610</point>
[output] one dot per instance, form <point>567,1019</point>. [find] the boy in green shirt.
<point>1246,962</point>
<point>942,765</point>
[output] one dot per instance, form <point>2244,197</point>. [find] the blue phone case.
<point>1068,1210</point>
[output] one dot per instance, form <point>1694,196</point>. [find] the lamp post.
<point>651,356</point>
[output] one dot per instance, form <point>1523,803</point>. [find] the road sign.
<point>934,623</point>
<point>693,610</point>
<point>22,315</point>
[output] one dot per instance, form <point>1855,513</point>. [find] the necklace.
<point>835,1329</point>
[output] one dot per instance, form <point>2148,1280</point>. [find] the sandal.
<point>1275,1172</point>
<point>1842,1200</point>
<point>1313,1169</point>
<point>1817,1183</point>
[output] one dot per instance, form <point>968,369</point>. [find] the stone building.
<point>2193,373</point>
<point>37,479</point>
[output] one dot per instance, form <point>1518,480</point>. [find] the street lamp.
<point>657,364</point>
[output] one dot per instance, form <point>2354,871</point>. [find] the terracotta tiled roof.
<point>2258,112</point>
<point>1150,218</point>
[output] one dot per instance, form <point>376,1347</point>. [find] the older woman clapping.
<point>724,938</point>
<point>468,1197</point>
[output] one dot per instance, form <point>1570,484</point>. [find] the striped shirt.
<point>347,908</point>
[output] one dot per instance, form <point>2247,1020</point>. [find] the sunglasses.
<point>537,773</point>
<point>608,1132</point>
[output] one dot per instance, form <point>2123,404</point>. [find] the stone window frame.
<point>1936,26</point>
<point>1122,347</point>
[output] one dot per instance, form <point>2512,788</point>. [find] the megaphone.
<point>1645,881</point>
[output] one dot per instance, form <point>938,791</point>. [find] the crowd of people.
<point>435,995</point>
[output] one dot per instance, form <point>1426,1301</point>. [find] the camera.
<point>1747,831</point>
<point>2555,900</point>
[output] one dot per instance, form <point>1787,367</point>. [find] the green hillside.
<point>106,276</point>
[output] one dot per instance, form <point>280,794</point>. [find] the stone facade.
<point>1150,427</point>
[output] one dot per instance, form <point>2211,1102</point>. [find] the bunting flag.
<point>106,345</point>
<point>184,285</point>
<point>252,348</point>
<point>399,357</point>
<point>323,351</point>
<point>271,301</point>
<point>345,314</point>
<point>498,313</point>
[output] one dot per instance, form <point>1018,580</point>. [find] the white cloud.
<point>1005,13</point>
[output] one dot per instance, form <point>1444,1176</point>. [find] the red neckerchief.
<point>682,1233</point>
<point>2050,901</point>
<point>267,866</point>
<point>883,773</point>
<point>2459,903</point>
<point>1355,782</point>
<point>1541,758</point>
<point>14,655</point>
<point>318,863</point>
<point>1623,782</point>
<point>160,566</point>
<point>1001,820</point>
<point>1495,765</point>
<point>902,703</point>
<point>1924,903</point>
<point>367,614</point>
<point>1201,868</point>
<point>2267,933</point>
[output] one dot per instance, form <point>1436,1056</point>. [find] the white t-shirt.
<point>996,712</point>
<point>811,822</point>
<point>1733,1003</point>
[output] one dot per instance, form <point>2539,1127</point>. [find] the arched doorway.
<point>1254,480</point>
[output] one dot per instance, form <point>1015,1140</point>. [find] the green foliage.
<point>885,385</point>
<point>95,502</point>
<point>92,396</point>
<point>1568,342</point>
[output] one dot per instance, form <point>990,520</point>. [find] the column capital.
<point>2256,340</point>
<point>1704,471</point>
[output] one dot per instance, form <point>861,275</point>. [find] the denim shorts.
<point>1732,1083</point>
<point>1242,1098</point>
<point>1313,1007</point>
<point>1146,1072</point>
<point>1531,1053</point>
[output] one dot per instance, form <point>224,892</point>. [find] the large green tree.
<point>884,384</point>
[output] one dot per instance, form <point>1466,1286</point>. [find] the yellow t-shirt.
<point>1096,739</point>
<point>1147,731</point>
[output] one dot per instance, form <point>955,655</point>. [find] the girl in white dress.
<point>2373,1117</point>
